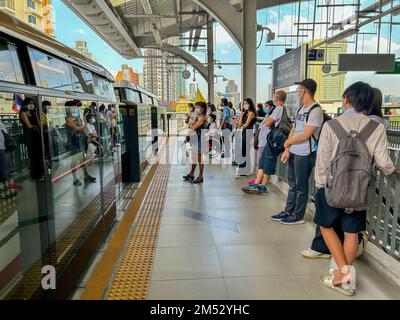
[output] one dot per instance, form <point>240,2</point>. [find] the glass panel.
<point>26,232</point>
<point>132,95</point>
<point>10,68</point>
<point>50,72</point>
<point>144,128</point>
<point>82,80</point>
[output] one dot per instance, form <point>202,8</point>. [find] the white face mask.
<point>93,120</point>
<point>197,111</point>
<point>31,107</point>
<point>246,106</point>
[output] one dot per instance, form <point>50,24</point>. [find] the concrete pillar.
<point>249,52</point>
<point>210,60</point>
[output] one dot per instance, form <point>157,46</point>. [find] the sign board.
<point>289,68</point>
<point>182,108</point>
<point>316,55</point>
<point>396,69</point>
<point>366,62</point>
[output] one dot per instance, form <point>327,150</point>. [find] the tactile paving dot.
<point>132,279</point>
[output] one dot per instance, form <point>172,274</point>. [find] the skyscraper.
<point>38,13</point>
<point>128,74</point>
<point>158,78</point>
<point>232,92</point>
<point>82,48</point>
<point>330,88</point>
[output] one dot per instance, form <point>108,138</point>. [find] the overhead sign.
<point>289,68</point>
<point>366,62</point>
<point>396,69</point>
<point>316,55</point>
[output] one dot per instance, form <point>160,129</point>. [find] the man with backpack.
<point>300,153</point>
<point>272,143</point>
<point>347,148</point>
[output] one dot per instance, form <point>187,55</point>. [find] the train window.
<point>50,72</point>
<point>82,80</point>
<point>103,88</point>
<point>10,68</point>
<point>132,95</point>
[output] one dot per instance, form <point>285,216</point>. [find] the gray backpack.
<point>349,177</point>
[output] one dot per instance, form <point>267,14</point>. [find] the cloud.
<point>224,52</point>
<point>222,36</point>
<point>80,31</point>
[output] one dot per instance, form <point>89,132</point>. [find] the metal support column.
<point>249,51</point>
<point>210,60</point>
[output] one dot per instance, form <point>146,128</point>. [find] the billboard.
<point>289,68</point>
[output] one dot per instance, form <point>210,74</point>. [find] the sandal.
<point>327,281</point>
<point>198,180</point>
<point>188,177</point>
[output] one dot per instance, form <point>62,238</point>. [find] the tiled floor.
<point>216,242</point>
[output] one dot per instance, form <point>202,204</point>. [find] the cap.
<point>309,84</point>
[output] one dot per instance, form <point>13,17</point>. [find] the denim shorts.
<point>327,216</point>
<point>268,161</point>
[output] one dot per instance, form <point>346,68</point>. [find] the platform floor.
<point>216,242</point>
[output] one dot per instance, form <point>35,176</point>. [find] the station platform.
<point>212,241</point>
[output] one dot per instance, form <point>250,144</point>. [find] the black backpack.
<point>326,118</point>
<point>278,135</point>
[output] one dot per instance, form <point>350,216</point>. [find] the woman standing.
<point>246,122</point>
<point>197,143</point>
<point>31,137</point>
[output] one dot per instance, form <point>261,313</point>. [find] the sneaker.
<point>251,189</point>
<point>312,254</point>
<point>15,186</point>
<point>77,183</point>
<point>263,189</point>
<point>363,244</point>
<point>280,216</point>
<point>292,219</point>
<point>234,163</point>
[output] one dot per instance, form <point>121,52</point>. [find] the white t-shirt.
<point>315,119</point>
<point>91,129</point>
<point>276,115</point>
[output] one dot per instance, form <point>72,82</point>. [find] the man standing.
<point>356,99</point>
<point>226,128</point>
<point>300,152</point>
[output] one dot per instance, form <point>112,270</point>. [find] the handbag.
<point>10,142</point>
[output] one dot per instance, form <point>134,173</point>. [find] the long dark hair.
<point>375,108</point>
<point>252,107</point>
<point>24,106</point>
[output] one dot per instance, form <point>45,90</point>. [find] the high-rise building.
<point>181,82</point>
<point>38,13</point>
<point>232,92</point>
<point>330,88</point>
<point>128,74</point>
<point>141,80</point>
<point>82,48</point>
<point>158,76</point>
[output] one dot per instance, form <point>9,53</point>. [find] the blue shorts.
<point>268,161</point>
<point>327,216</point>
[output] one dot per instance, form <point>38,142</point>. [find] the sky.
<point>280,20</point>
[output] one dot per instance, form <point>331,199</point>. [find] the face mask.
<point>197,111</point>
<point>266,110</point>
<point>246,107</point>
<point>93,120</point>
<point>31,107</point>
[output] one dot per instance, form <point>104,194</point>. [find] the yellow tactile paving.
<point>132,278</point>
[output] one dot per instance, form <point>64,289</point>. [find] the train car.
<point>58,200</point>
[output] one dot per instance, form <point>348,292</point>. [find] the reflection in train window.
<point>10,68</point>
<point>50,72</point>
<point>132,95</point>
<point>82,80</point>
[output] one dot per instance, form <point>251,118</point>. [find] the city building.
<point>82,48</point>
<point>141,80</point>
<point>38,13</point>
<point>232,92</point>
<point>158,78</point>
<point>330,85</point>
<point>128,74</point>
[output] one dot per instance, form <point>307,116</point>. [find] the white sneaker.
<point>312,254</point>
<point>363,244</point>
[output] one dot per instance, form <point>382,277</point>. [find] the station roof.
<point>129,25</point>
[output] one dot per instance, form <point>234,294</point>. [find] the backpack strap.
<point>337,128</point>
<point>368,130</point>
